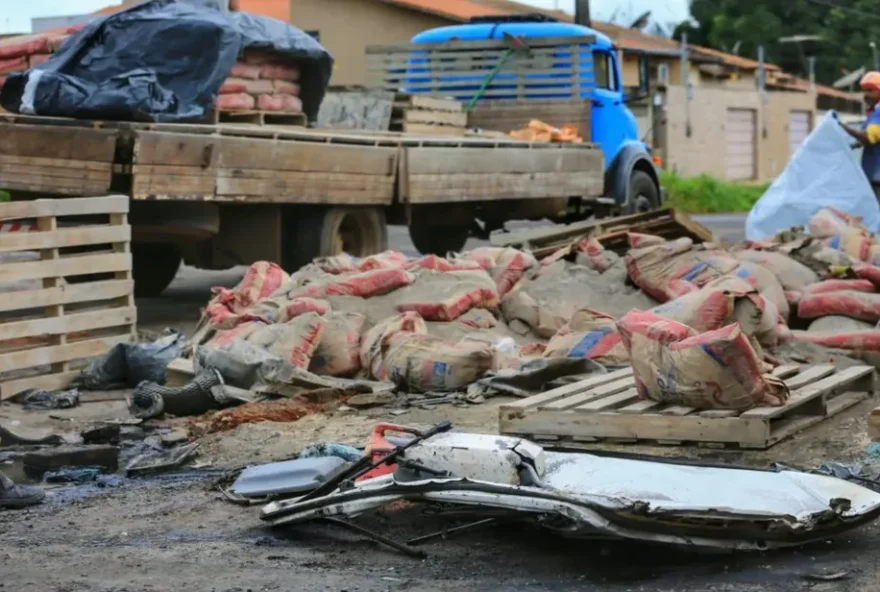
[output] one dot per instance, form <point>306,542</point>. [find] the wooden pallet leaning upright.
<point>67,289</point>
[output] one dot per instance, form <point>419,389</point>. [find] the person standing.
<point>869,135</point>
<point>16,497</point>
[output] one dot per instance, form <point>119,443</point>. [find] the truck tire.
<point>437,239</point>
<point>321,231</point>
<point>643,193</point>
<point>154,266</point>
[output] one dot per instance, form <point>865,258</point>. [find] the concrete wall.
<point>705,151</point>
<point>347,27</point>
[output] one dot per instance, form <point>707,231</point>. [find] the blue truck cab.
<point>631,177</point>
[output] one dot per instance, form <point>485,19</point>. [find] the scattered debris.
<point>38,462</point>
<point>291,477</point>
<point>39,400</point>
<point>128,364</point>
<point>157,460</point>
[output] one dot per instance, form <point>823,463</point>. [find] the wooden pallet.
<point>607,408</point>
<point>258,118</point>
<point>66,290</point>
<point>414,114</point>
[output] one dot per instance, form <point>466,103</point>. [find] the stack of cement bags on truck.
<point>20,53</point>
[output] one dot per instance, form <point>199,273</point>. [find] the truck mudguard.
<point>632,155</point>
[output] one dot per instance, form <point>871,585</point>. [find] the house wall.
<point>347,27</point>
<point>705,151</point>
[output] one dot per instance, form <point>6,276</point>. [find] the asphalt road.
<point>179,306</point>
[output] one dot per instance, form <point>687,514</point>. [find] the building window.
<point>316,35</point>
<point>603,68</point>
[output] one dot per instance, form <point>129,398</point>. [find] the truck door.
<point>612,124</point>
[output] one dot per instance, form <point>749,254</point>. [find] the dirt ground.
<point>176,532</point>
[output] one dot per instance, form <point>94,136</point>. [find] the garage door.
<point>741,134</point>
<point>799,124</point>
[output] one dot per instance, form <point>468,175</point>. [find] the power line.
<point>854,11</point>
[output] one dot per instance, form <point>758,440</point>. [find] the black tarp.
<point>163,60</point>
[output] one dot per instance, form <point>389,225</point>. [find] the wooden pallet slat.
<point>50,323</point>
<point>607,408</point>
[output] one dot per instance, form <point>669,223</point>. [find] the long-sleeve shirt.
<point>871,154</point>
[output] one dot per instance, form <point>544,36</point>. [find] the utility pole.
<point>582,13</point>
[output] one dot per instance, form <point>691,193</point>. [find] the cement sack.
<point>294,341</point>
<point>446,295</point>
<point>718,369</point>
<point>823,172</point>
<point>384,260</point>
<point>478,318</point>
<point>364,285</point>
<point>524,315</point>
<point>793,297</point>
<point>510,267</point>
<point>260,281</point>
<point>829,222</point>
<point>756,315</point>
<point>766,283</point>
<point>429,364</point>
<point>856,305</point>
<point>704,310</point>
<point>337,264</point>
<point>592,335</point>
<point>637,240</point>
<point>375,342</point>
<point>591,253</point>
<point>281,310</point>
<point>240,331</point>
<point>486,257</point>
<point>867,272</point>
<point>857,243</point>
<point>827,286</point>
<point>440,264</point>
<point>653,268</point>
<point>338,353</point>
<point>836,332</point>
<point>791,274</point>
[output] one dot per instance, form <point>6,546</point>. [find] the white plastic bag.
<point>823,172</point>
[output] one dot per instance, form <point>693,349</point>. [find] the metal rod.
<point>582,13</point>
<point>416,553</point>
<point>447,531</point>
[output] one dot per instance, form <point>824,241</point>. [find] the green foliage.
<point>708,195</point>
<point>4,196</point>
<point>740,27</point>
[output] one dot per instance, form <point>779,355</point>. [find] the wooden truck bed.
<point>282,164</point>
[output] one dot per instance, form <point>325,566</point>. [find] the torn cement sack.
<point>365,285</point>
<point>829,222</point>
<point>338,353</point>
<point>281,310</point>
<point>294,341</point>
<point>756,315</point>
<point>638,240</point>
<point>653,268</point>
<point>506,265</point>
<point>837,332</point>
<point>426,363</point>
<point>766,283</point>
<point>591,253</point>
<point>855,285</point>
<point>857,305</point>
<point>791,274</point>
<point>337,264</point>
<point>718,369</point>
<point>446,295</point>
<point>375,341</point>
<point>523,315</point>
<point>589,334</point>
<point>823,172</point>
<point>703,310</point>
<point>384,260</point>
<point>260,281</point>
<point>857,243</point>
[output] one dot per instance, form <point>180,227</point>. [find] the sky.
<point>15,15</point>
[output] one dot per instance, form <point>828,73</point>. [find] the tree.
<point>846,27</point>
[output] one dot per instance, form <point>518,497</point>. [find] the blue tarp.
<point>823,172</point>
<point>163,60</point>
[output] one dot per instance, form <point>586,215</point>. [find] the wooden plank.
<point>677,410</point>
<point>63,237</point>
<point>439,161</point>
<point>204,152</point>
<point>640,407</point>
<point>786,370</point>
<point>14,160</point>
<point>63,143</point>
<point>569,389</point>
<point>831,384</point>
<point>82,206</point>
<point>45,356</point>
<point>54,173</point>
<point>38,183</point>
<point>434,104</point>
<point>311,187</point>
<point>436,117</point>
<point>69,322</point>
<point>48,382</point>
<point>65,267</point>
<point>789,426</point>
<point>690,428</point>
<point>492,186</point>
<point>422,129</point>
<point>64,294</point>
<point>612,402</point>
<point>809,376</point>
<point>595,393</point>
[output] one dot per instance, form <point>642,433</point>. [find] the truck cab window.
<point>603,68</point>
